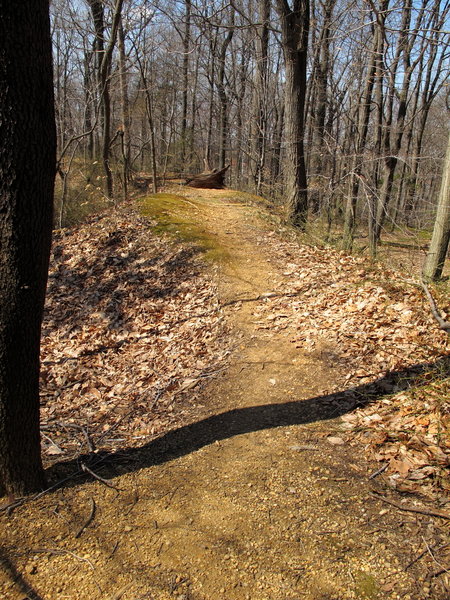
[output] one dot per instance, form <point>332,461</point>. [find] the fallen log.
<point>213,180</point>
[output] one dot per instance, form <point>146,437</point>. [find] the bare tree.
<point>261,93</point>
<point>215,72</point>
<point>104,63</point>
<point>294,19</point>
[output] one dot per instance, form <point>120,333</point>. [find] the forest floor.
<point>261,420</point>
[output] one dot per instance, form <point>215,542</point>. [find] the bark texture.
<point>434,263</point>
<point>294,40</point>
<point>27,168</point>
<point>213,181</point>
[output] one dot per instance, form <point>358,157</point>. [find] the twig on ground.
<point>60,450</point>
<point>114,426</point>
<point>414,560</point>
<point>134,501</point>
<point>83,430</point>
<point>89,442</point>
<point>19,501</point>
<point>430,552</point>
<point>437,573</point>
<point>443,324</point>
<point>116,545</point>
<point>422,511</point>
<point>61,551</point>
<point>379,471</point>
<point>88,520</point>
<point>169,501</point>
<point>101,479</point>
<point>422,554</point>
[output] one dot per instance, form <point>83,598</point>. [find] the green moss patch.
<point>182,219</point>
<point>366,586</point>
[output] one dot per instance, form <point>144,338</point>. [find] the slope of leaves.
<point>373,323</point>
<point>131,324</point>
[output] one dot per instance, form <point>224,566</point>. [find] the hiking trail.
<point>257,501</point>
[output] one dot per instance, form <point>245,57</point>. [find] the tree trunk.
<point>104,59</point>
<point>184,108</point>
<point>27,168</point>
<point>295,29</point>
<point>381,136</point>
<point>125,106</point>
<point>88,113</point>
<point>362,131</point>
<point>437,252</point>
<point>322,73</point>
<point>213,181</point>
<point>149,111</point>
<point>260,110</point>
<point>223,98</point>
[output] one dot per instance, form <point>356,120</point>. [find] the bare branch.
<point>443,324</point>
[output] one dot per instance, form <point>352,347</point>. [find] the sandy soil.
<point>252,501</point>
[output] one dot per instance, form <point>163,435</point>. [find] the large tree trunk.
<point>27,168</point>
<point>437,252</point>
<point>295,29</point>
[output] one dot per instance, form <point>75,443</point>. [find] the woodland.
<point>224,317</point>
<point>336,110</point>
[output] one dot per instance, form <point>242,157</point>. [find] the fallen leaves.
<point>374,324</point>
<point>411,435</point>
<point>132,326</point>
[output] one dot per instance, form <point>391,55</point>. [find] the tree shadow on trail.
<point>14,575</point>
<point>189,438</point>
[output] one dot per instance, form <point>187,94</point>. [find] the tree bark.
<point>260,110</point>
<point>184,108</point>
<point>437,252</point>
<point>104,59</point>
<point>27,169</point>
<point>362,132</point>
<point>294,34</point>
<point>213,181</point>
<point>125,106</point>
<point>223,98</point>
<point>322,73</point>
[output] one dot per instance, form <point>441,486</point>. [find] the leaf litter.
<point>110,343</point>
<point>371,321</point>
<point>132,323</point>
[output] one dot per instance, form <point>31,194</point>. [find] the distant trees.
<point>333,96</point>
<point>103,63</point>
<point>27,169</point>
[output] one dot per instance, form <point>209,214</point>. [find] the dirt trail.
<point>251,503</point>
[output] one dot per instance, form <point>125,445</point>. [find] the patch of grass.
<point>248,198</point>
<point>366,586</point>
<point>181,219</point>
